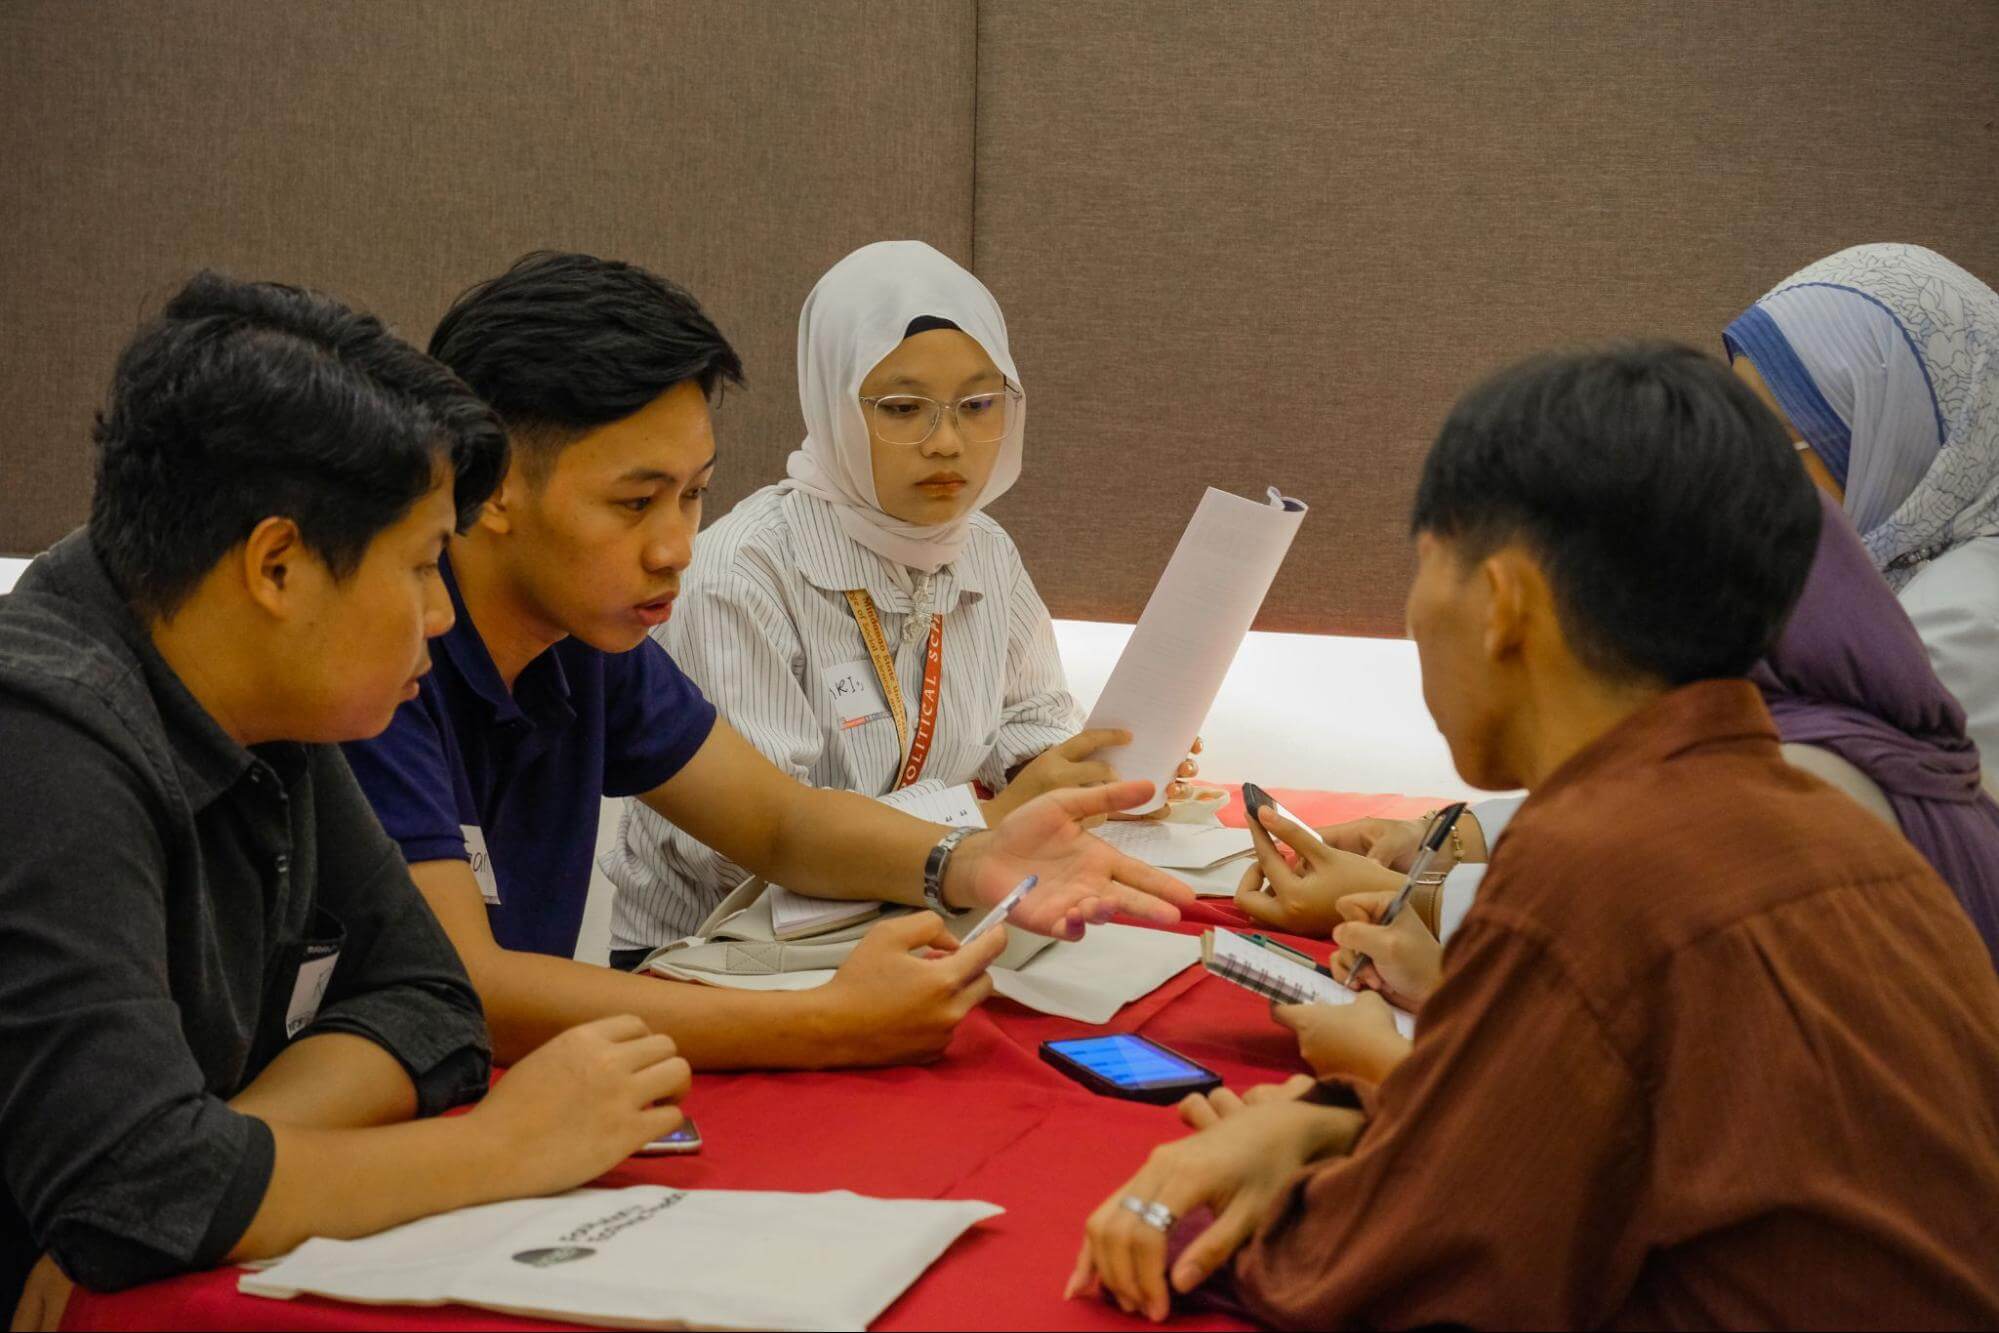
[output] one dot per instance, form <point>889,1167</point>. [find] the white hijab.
<point>853,318</point>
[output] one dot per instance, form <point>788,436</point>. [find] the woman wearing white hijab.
<point>823,612</point>
<point>1884,359</point>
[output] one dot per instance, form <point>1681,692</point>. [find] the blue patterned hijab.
<point>1886,360</point>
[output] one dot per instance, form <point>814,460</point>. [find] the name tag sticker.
<point>856,694</point>
<point>315,974</point>
<point>482,863</point>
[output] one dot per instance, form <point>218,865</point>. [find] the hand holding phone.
<point>683,1142</point>
<point>1255,800</point>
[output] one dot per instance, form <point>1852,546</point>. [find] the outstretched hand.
<point>1084,881</point>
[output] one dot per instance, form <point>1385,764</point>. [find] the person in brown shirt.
<point>1734,1064</point>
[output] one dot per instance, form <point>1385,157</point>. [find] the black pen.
<point>1433,838</point>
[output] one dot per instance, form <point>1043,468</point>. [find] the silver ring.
<point>1155,1215</point>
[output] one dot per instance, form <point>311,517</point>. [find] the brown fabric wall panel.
<point>1268,243</point>
<point>394,153</point>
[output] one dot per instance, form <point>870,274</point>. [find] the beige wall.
<point>394,153</point>
<point>1243,244</point>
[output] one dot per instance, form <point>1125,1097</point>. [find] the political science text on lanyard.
<point>915,748</point>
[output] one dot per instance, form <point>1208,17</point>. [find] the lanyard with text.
<point>916,750</point>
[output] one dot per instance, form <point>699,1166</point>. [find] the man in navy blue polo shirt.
<point>548,695</point>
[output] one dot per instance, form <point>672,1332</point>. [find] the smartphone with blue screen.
<point>1129,1066</point>
<point>681,1143</point>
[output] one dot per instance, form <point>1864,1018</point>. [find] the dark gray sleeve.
<point>400,983</point>
<point>123,1164</point>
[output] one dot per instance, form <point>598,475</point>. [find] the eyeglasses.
<point>909,418</point>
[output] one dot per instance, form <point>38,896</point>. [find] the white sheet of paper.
<point>1173,666</point>
<point>1322,988</point>
<point>1088,980</point>
<point>1216,881</point>
<point>1177,846</point>
<point>645,1257</point>
<point>957,806</point>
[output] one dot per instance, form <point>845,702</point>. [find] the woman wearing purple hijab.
<point>1851,676</point>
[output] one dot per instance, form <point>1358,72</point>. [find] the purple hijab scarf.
<point>1850,675</point>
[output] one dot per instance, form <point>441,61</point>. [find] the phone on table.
<point>1129,1066</point>
<point>680,1143</point>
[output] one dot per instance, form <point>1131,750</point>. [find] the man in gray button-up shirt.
<point>219,988</point>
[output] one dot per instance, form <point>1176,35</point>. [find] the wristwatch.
<point>933,871</point>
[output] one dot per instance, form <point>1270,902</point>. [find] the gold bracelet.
<point>1457,836</point>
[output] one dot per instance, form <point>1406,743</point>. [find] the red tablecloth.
<point>989,1121</point>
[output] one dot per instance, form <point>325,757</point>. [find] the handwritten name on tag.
<point>856,694</point>
<point>482,863</point>
<point>315,974</point>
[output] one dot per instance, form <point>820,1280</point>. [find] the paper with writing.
<point>645,1257</point>
<point>1173,666</point>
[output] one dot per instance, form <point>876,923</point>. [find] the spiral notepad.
<point>1274,977</point>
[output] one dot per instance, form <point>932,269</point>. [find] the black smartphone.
<point>681,1143</point>
<point>1129,1066</point>
<point>1254,798</point>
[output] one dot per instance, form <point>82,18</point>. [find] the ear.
<point>1509,581</point>
<point>497,514</point>
<point>270,565</point>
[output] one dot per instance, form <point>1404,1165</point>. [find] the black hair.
<point>249,400</point>
<point>1664,501</point>
<point>561,343</point>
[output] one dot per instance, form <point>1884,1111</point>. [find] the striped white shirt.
<point>763,626</point>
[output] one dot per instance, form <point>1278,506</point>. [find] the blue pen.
<point>999,913</point>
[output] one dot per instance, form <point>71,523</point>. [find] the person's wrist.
<point>1325,1131</point>
<point>1472,834</point>
<point>822,1025</point>
<point>496,1148</point>
<point>961,872</point>
<point>1386,1053</point>
<point>1451,853</point>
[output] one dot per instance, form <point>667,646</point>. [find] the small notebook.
<point>797,916</point>
<point>1233,958</point>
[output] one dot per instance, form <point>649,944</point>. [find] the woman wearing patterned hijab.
<point>1884,359</point>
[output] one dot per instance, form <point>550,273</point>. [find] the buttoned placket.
<point>277,810</point>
